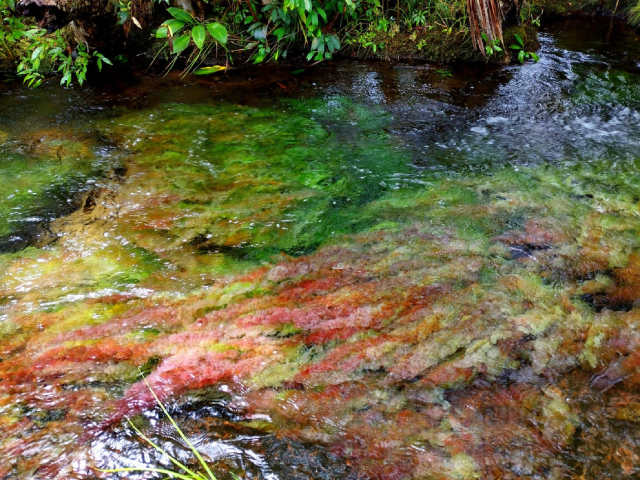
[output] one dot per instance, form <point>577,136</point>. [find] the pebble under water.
<point>362,271</point>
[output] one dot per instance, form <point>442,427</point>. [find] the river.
<point>361,270</point>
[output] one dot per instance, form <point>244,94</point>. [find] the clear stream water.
<point>363,271</point>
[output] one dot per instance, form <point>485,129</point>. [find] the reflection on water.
<point>363,271</point>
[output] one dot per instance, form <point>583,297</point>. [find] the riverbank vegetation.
<point>66,36</point>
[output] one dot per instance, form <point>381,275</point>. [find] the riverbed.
<point>361,270</point>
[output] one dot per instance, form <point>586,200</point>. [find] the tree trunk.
<point>487,16</point>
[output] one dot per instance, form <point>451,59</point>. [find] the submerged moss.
<point>607,88</point>
<point>244,195</point>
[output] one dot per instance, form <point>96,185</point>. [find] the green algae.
<point>8,329</point>
<point>608,87</point>
<point>247,196</point>
<point>38,179</point>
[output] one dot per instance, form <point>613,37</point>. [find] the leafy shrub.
<point>35,53</point>
<point>268,32</point>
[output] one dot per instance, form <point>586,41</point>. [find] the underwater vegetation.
<point>302,291</point>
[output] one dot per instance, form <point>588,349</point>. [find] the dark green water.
<point>365,270</point>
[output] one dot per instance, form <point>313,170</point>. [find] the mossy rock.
<point>438,46</point>
<point>430,46</point>
<point>565,7</point>
<point>529,36</point>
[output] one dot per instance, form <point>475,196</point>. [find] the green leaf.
<point>210,70</point>
<point>174,26</point>
<point>36,52</point>
<point>279,32</point>
<point>260,33</point>
<point>123,16</point>
<point>296,72</point>
<point>534,56</point>
<point>181,15</point>
<point>312,19</point>
<point>332,42</point>
<point>217,31</point>
<point>180,44</point>
<point>31,33</point>
<point>162,32</point>
<point>519,40</point>
<point>521,56</point>
<point>66,79</point>
<point>515,47</point>
<point>198,34</point>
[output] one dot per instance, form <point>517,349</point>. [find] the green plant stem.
<point>182,435</point>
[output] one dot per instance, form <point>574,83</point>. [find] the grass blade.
<point>150,469</point>
<point>194,475</point>
<point>182,435</point>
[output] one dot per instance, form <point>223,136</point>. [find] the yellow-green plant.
<point>634,14</point>
<point>522,53</point>
<point>186,473</point>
